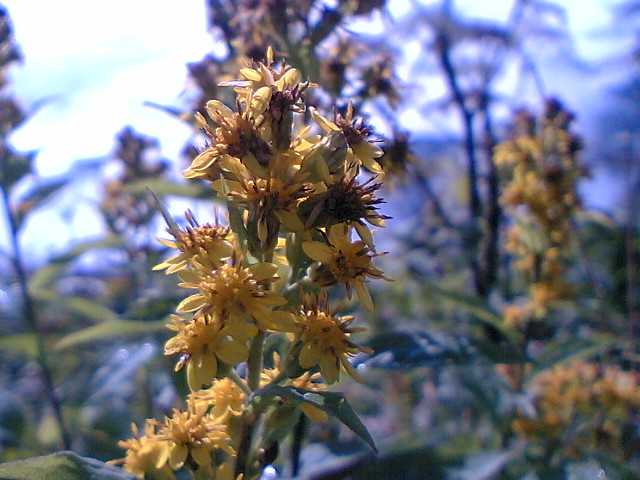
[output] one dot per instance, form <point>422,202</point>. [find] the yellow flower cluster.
<point>595,402</point>
<point>298,223</point>
<point>541,194</point>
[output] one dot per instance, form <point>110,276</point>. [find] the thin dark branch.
<point>30,316</point>
<point>490,254</point>
<point>443,48</point>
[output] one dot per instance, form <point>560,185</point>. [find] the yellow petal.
<point>318,251</point>
<point>252,164</point>
<point>279,321</point>
<point>260,100</point>
<point>338,235</point>
<point>251,74</point>
<point>263,270</point>
<point>177,456</point>
<point>167,243</point>
<point>204,160</point>
<point>231,351</point>
<point>163,455</point>
<point>199,375</point>
<point>309,356</point>
<point>314,413</point>
<point>202,456</point>
<point>326,125</point>
<point>272,299</point>
<point>365,234</point>
<point>240,330</point>
<point>188,276</point>
<point>290,220</point>
<point>363,294</point>
<point>330,368</point>
<point>289,80</point>
<point>350,370</point>
<point>217,109</point>
<point>191,304</point>
<point>225,186</point>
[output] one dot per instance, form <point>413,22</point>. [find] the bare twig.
<point>30,316</point>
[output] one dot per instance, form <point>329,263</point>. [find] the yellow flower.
<point>237,296</point>
<point>345,201</point>
<point>201,343</point>
<point>517,316</point>
<point>207,244</point>
<point>194,434</point>
<point>146,455</point>
<point>270,201</point>
<point>589,398</point>
<point>223,396</point>
<point>325,340</point>
<point>234,137</point>
<point>356,134</point>
<point>343,261</point>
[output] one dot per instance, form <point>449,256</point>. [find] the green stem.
<point>254,364</point>
<point>239,381</point>
<point>32,321</point>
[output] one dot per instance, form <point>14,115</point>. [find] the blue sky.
<point>97,62</point>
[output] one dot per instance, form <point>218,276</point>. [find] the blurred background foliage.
<point>453,389</point>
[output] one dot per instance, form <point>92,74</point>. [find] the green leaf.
<point>499,351</point>
<point>88,309</point>
<point>236,224</point>
<point>486,465</point>
<point>403,350</point>
<point>162,187</point>
<point>37,196</point>
<point>109,330</point>
<point>469,303</point>
<point>81,248</point>
<point>505,348</point>
<point>417,462</point>
<point>61,466</point>
<point>332,403</point>
<point>44,277</point>
<point>20,343</point>
<point>574,349</point>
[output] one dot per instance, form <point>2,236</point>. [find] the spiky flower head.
<point>223,396</point>
<point>147,455</point>
<point>362,151</point>
<point>326,339</point>
<point>233,135</point>
<point>193,436</point>
<point>343,261</point>
<point>201,343</point>
<point>238,297</point>
<point>345,201</point>
<point>206,244</point>
<point>269,198</point>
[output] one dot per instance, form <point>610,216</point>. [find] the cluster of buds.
<point>124,210</point>
<point>299,218</point>
<point>309,34</point>
<point>585,407</point>
<point>541,194</point>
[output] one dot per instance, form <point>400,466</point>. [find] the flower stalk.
<point>299,222</point>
